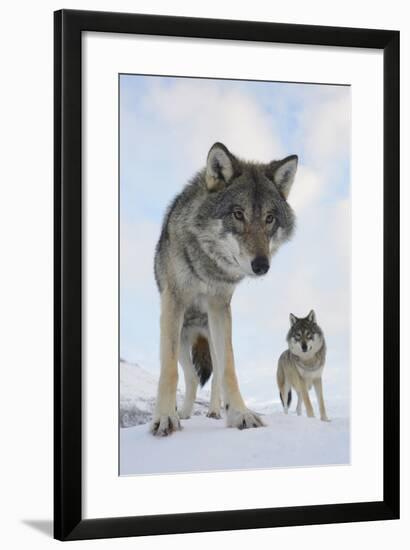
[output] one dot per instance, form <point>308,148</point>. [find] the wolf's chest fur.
<point>310,372</point>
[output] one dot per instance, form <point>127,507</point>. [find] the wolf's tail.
<point>280,378</point>
<point>289,400</point>
<point>201,358</point>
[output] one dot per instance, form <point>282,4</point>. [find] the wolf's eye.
<point>269,218</point>
<point>238,214</point>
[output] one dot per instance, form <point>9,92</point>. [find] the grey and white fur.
<point>225,225</point>
<point>302,364</point>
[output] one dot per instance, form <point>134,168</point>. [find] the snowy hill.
<point>138,389</point>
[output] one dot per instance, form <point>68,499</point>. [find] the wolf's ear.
<point>292,319</point>
<point>312,316</point>
<point>221,167</point>
<point>284,174</point>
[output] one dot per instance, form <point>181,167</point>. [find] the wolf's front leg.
<point>166,419</point>
<point>220,324</point>
<point>319,395</point>
<point>306,399</point>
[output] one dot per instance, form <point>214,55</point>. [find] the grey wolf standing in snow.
<point>225,225</point>
<point>301,366</point>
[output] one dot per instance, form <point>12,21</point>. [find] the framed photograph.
<point>226,275</point>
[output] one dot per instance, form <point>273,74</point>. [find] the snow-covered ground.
<point>206,444</point>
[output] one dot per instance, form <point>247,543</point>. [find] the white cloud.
<point>137,245</point>
<point>325,128</point>
<point>203,112</point>
<point>306,189</point>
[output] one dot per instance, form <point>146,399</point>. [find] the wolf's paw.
<point>165,425</point>
<point>243,419</point>
<point>213,414</point>
<point>325,419</point>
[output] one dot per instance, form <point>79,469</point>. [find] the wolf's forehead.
<point>303,325</point>
<point>256,193</point>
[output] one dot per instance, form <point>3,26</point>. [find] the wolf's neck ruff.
<point>313,364</point>
<point>306,367</point>
<point>206,262</point>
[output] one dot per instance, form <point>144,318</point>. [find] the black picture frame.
<point>68,521</point>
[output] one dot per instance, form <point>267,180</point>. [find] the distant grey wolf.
<point>225,225</point>
<point>302,365</point>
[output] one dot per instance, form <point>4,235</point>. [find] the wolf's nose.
<point>260,265</point>
<point>304,346</point>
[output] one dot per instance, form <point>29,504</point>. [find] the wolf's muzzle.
<point>260,265</point>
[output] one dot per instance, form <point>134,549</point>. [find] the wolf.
<point>225,225</point>
<point>302,364</point>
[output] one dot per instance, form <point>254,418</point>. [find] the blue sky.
<point>167,126</point>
